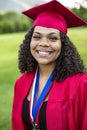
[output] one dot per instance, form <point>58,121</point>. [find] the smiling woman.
<point>54,79</point>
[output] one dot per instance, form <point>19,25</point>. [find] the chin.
<point>46,63</point>
<point>43,63</point>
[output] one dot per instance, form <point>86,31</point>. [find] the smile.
<point>44,53</point>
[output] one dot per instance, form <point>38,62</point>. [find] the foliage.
<point>82,12</point>
<point>13,22</point>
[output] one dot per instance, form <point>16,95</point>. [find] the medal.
<point>35,127</point>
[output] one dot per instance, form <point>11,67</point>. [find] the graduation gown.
<point>66,107</point>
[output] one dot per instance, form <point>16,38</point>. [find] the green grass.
<point>79,38</point>
<point>9,45</point>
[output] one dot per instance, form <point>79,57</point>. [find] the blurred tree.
<point>14,22</point>
<point>82,12</point>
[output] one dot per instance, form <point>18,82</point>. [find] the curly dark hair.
<point>68,63</point>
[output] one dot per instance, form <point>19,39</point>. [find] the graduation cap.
<point>54,15</point>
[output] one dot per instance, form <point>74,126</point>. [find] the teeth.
<point>43,52</point>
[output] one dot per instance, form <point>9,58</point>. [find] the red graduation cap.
<point>54,15</point>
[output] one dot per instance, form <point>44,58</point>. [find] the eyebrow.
<point>48,33</point>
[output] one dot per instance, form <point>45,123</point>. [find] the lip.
<point>44,53</point>
<point>44,50</point>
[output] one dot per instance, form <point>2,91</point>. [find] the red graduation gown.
<point>66,106</point>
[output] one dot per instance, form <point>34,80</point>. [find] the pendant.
<point>35,127</point>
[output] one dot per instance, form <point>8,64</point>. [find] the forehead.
<point>44,30</point>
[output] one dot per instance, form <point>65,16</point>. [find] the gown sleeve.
<point>14,106</point>
<point>81,104</point>
<point>17,122</point>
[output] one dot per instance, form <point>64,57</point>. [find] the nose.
<point>44,42</point>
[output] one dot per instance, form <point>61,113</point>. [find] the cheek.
<point>57,47</point>
<point>32,45</point>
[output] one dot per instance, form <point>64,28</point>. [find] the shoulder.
<point>25,76</point>
<point>72,86</point>
<point>82,85</point>
<point>23,79</point>
<point>78,81</point>
<point>74,79</point>
<point>78,85</point>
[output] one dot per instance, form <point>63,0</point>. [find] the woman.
<point>51,94</point>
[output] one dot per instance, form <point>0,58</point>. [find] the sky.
<point>71,3</point>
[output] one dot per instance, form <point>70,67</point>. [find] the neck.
<point>46,70</point>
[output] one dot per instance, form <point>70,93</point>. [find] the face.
<point>45,45</point>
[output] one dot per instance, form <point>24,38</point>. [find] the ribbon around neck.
<point>35,104</point>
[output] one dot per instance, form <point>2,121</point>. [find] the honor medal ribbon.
<point>36,105</point>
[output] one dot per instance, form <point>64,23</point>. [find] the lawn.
<point>9,45</point>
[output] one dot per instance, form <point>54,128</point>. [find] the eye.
<point>53,39</point>
<point>36,37</point>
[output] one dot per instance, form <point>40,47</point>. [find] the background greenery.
<point>9,45</point>
<point>14,22</point>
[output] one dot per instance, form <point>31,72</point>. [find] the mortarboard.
<point>54,15</point>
